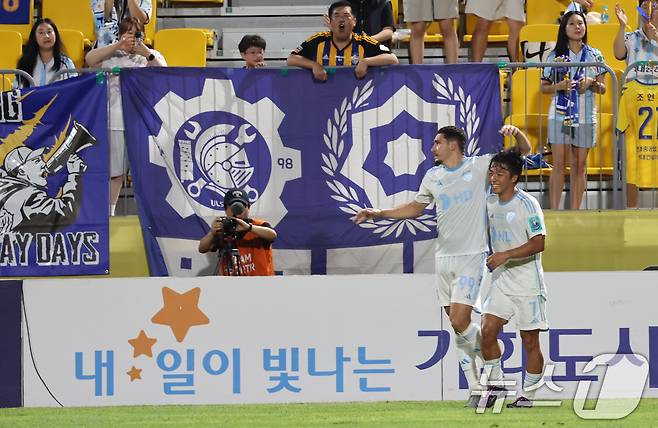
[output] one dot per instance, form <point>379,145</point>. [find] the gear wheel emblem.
<point>207,144</point>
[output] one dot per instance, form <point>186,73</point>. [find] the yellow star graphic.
<point>180,311</point>
<point>142,345</point>
<point>134,373</point>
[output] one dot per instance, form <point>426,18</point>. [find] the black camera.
<point>230,226</point>
<point>139,36</point>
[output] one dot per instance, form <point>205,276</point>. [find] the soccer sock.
<point>471,340</point>
<point>530,380</point>
<point>468,344</point>
<point>467,363</point>
<point>493,371</point>
<point>113,207</point>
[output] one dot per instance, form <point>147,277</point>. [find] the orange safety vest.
<point>255,254</point>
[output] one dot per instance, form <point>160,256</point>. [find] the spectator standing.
<point>375,19</point>
<point>109,13</point>
<point>488,11</point>
<point>128,51</point>
<point>572,115</point>
<point>419,13</point>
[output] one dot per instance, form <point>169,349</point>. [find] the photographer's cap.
<point>236,195</point>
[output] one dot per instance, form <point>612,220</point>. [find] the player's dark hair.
<point>251,40</point>
<point>562,43</point>
<point>510,160</point>
<point>454,133</point>
<point>335,5</point>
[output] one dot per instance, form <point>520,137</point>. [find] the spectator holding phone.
<point>128,52</point>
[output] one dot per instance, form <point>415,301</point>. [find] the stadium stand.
<point>182,47</point>
<point>11,42</point>
<point>71,15</point>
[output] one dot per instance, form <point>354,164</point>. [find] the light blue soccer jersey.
<point>459,195</point>
<point>512,224</point>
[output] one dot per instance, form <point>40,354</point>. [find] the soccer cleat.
<point>520,402</point>
<point>493,393</point>
<point>473,401</point>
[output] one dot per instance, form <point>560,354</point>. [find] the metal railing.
<point>542,114</point>
<point>614,184</point>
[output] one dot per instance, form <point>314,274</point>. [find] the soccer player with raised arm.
<point>517,233</point>
<point>457,187</point>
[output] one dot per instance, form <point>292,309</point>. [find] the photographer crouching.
<point>243,244</point>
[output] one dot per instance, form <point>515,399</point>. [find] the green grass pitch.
<point>392,414</point>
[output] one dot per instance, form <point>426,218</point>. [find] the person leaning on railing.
<point>340,47</point>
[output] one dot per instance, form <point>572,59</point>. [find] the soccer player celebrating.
<point>458,189</point>
<point>517,232</point>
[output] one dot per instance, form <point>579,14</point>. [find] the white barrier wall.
<point>301,338</point>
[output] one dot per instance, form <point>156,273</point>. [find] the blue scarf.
<point>568,101</point>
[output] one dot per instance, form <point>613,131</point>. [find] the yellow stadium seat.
<point>498,32</point>
<point>602,37</point>
<point>210,35</point>
<point>548,11</point>
<point>23,29</point>
<point>182,47</point>
<point>526,95</point>
<point>529,110</point>
<point>544,11</point>
<point>605,102</point>
<point>12,44</point>
<point>74,46</point>
<point>600,158</point>
<point>5,83</point>
<point>72,15</point>
<point>538,33</point>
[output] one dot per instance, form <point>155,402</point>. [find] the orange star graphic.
<point>180,311</point>
<point>134,373</point>
<point>142,345</point>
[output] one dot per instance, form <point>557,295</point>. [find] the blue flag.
<point>309,154</point>
<point>54,179</point>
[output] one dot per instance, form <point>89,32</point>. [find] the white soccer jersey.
<point>459,195</point>
<point>512,224</point>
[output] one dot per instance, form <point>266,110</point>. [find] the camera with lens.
<point>230,226</point>
<point>139,36</point>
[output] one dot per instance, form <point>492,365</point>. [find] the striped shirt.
<point>321,48</point>
<point>640,48</point>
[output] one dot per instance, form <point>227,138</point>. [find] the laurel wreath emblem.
<point>347,196</point>
<point>467,110</point>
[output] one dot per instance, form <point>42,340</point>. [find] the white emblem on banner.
<point>208,143</point>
